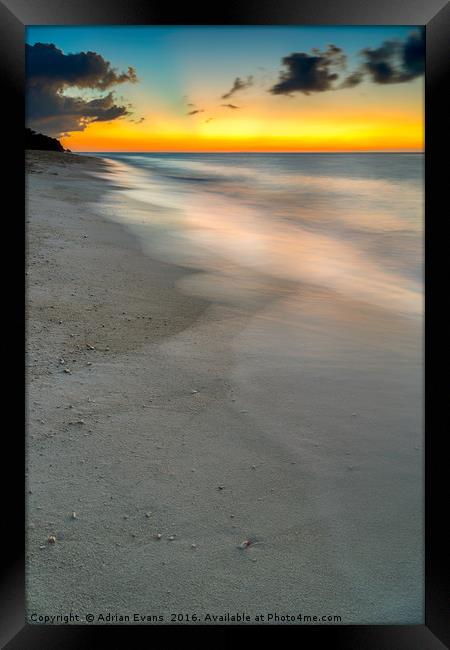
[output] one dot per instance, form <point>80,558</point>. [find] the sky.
<point>231,88</point>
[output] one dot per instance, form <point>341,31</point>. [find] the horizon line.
<point>358,151</point>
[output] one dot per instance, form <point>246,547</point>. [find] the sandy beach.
<point>186,458</point>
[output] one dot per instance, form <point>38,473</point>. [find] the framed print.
<point>220,279</point>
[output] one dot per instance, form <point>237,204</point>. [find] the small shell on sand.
<point>158,536</point>
<point>51,539</point>
<point>245,544</point>
<point>74,515</point>
<point>67,371</point>
<point>171,538</point>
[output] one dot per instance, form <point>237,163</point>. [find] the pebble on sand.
<point>51,539</point>
<point>158,536</point>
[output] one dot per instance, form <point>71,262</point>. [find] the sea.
<point>351,224</point>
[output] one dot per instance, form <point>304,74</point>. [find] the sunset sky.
<point>232,88</point>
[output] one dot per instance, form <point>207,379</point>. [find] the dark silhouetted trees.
<point>42,142</point>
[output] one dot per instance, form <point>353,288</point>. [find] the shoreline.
<point>164,425</point>
<point>167,318</point>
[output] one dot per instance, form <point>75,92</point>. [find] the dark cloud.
<point>396,61</point>
<point>238,84</point>
<point>230,106</point>
<point>194,110</point>
<point>209,120</point>
<point>50,73</point>
<point>308,73</point>
<point>413,54</point>
<point>45,62</point>
<point>392,62</point>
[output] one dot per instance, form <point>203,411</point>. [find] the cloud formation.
<point>238,84</point>
<point>308,73</point>
<point>396,61</point>
<point>392,62</point>
<point>50,73</point>
<point>230,106</point>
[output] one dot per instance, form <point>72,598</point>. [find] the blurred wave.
<point>350,223</point>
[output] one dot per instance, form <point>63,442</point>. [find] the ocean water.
<point>351,224</point>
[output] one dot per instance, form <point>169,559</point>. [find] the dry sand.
<point>141,424</point>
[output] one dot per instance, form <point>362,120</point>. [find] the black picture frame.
<point>435,16</point>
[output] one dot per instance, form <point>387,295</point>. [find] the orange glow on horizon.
<point>405,134</point>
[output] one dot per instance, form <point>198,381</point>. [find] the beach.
<point>190,454</point>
